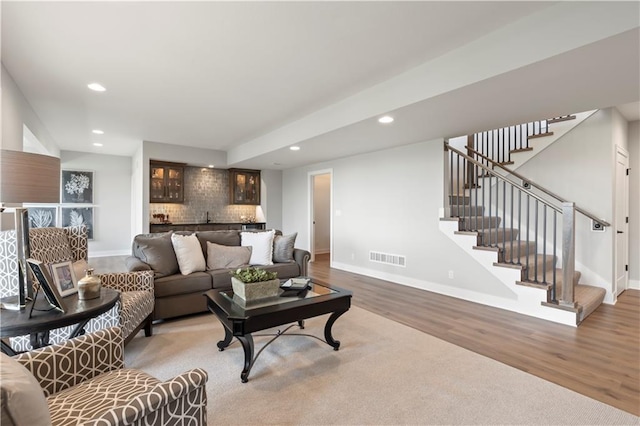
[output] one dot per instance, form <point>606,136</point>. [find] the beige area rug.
<point>384,373</point>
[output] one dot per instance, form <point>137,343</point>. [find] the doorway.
<point>320,209</point>
<point>621,223</point>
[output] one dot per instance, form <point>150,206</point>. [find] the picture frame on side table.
<point>76,216</point>
<point>49,289</point>
<point>64,278</point>
<point>76,187</point>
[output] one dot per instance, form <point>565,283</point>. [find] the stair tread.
<point>540,135</point>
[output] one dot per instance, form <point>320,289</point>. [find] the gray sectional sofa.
<point>177,294</point>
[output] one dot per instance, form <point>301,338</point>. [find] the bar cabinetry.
<point>166,183</point>
<point>244,186</point>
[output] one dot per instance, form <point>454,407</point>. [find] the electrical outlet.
<point>450,275</point>
<point>353,256</point>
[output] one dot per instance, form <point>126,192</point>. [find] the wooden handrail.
<point>539,187</point>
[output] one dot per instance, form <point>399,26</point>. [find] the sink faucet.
<point>208,220</point>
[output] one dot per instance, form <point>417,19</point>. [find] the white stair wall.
<point>528,300</point>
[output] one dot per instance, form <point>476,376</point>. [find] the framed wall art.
<point>42,216</point>
<point>77,187</point>
<point>76,216</point>
<point>64,278</point>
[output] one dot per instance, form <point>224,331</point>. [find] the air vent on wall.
<point>389,259</point>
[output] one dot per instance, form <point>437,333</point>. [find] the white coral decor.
<point>77,184</point>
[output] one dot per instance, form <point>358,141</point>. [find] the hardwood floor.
<point>599,359</point>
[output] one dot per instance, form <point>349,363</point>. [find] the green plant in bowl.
<point>253,275</point>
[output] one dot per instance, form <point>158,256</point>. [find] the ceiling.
<point>226,75</point>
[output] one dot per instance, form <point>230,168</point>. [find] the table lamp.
<point>26,177</point>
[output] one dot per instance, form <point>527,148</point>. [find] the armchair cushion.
<point>90,398</point>
<point>21,397</point>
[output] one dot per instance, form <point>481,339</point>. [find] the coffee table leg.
<point>228,336</point>
<point>247,345</point>
<point>327,330</point>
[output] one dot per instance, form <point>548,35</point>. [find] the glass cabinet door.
<point>166,183</point>
<point>244,186</point>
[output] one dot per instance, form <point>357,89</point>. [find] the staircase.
<point>522,233</point>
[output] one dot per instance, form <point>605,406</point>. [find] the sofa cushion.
<point>224,238</point>
<point>21,397</point>
<point>284,270</point>
<point>157,251</point>
<point>262,246</point>
<point>189,253</point>
<point>220,278</point>
<point>219,256</point>
<point>283,247</point>
<point>181,284</point>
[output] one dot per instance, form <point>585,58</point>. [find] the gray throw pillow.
<point>156,250</point>
<point>283,248</point>
<point>219,256</point>
<point>222,237</point>
<point>21,397</point>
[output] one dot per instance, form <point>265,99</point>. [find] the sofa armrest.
<point>61,366</point>
<point>134,264</point>
<point>184,397</point>
<point>128,281</point>
<point>302,259</point>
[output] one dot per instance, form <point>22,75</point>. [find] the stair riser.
<point>511,252</point>
<point>479,223</point>
<point>462,211</point>
<point>493,237</point>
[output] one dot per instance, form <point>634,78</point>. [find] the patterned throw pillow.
<point>283,248</point>
<point>262,246</point>
<point>220,257</point>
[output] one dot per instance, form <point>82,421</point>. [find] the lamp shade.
<point>26,177</point>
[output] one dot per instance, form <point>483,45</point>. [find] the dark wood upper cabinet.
<point>166,183</point>
<point>244,186</point>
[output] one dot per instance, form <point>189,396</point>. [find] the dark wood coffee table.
<point>240,319</point>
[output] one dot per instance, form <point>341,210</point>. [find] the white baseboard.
<point>634,284</point>
<point>555,315</point>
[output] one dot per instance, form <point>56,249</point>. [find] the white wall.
<point>322,213</point>
<point>17,112</point>
<point>634,204</point>
<point>389,201</point>
<point>112,199</point>
<point>271,198</point>
<point>580,168</point>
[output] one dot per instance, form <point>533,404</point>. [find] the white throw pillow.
<point>189,253</point>
<point>262,246</point>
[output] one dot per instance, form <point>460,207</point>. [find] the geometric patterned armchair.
<point>53,245</point>
<point>84,382</point>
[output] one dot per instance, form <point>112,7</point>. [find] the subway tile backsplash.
<point>205,190</point>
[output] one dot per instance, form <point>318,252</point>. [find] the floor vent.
<point>389,259</point>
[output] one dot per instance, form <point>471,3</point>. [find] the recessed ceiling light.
<point>294,148</point>
<point>385,119</point>
<point>98,132</point>
<point>211,166</point>
<point>97,87</point>
<point>97,144</point>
